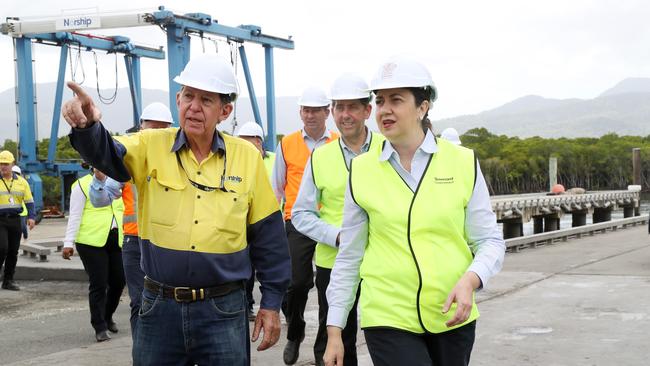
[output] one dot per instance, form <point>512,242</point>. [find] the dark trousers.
<point>10,231</point>
<point>301,250</point>
<point>134,276</point>
<point>23,226</point>
<point>106,275</point>
<point>397,347</point>
<point>349,333</point>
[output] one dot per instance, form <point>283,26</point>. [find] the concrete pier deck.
<point>581,302</point>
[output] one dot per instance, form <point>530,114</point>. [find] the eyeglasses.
<point>204,188</point>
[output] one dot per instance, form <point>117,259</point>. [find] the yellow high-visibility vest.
<point>330,174</point>
<point>417,247</point>
<point>269,162</point>
<point>96,222</point>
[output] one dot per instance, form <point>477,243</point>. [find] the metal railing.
<point>532,241</point>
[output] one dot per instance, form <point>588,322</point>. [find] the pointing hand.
<point>80,111</point>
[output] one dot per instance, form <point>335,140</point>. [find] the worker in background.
<point>23,213</point>
<point>318,210</point>
<point>253,133</point>
<point>97,234</point>
<point>14,191</point>
<point>292,154</point>
<point>450,134</point>
<point>206,211</point>
<point>102,193</point>
<point>418,267</point>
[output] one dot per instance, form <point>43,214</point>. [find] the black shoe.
<point>102,336</point>
<point>292,351</point>
<point>10,285</point>
<point>112,326</point>
<point>251,314</point>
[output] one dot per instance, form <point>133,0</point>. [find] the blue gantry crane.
<point>64,32</point>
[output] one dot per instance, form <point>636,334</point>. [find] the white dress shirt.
<point>77,203</point>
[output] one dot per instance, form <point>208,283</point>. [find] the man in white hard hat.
<point>14,191</point>
<point>103,192</point>
<point>450,134</point>
<point>318,211</point>
<point>292,154</point>
<point>207,213</point>
<point>156,115</point>
<point>253,133</point>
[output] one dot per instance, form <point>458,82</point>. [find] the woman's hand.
<point>334,352</point>
<point>462,295</point>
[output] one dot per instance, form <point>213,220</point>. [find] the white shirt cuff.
<point>482,273</point>
<point>336,316</point>
<point>331,235</point>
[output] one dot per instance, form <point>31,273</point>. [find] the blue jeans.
<point>209,332</point>
<point>134,276</point>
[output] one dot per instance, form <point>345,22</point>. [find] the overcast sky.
<point>481,53</point>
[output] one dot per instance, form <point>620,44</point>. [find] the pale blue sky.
<point>481,53</point>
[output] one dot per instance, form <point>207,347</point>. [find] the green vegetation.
<point>510,164</point>
<point>515,165</point>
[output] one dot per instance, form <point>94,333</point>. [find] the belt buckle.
<point>184,288</point>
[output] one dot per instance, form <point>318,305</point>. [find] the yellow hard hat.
<point>6,157</point>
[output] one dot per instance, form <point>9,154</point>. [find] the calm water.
<point>565,221</point>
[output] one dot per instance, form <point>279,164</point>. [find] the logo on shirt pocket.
<point>234,178</point>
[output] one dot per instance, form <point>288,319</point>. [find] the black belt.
<point>188,294</point>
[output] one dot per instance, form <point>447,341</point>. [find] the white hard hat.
<point>16,169</point>
<point>210,72</point>
<point>251,129</point>
<point>313,97</point>
<point>450,134</point>
<point>156,112</point>
<point>403,72</point>
<point>349,86</point>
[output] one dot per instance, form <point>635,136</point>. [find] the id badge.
<point>11,200</point>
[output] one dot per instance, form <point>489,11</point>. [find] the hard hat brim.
<point>383,86</point>
<point>204,86</point>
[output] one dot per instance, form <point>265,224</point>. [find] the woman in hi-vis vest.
<point>418,232</point>
<point>97,234</point>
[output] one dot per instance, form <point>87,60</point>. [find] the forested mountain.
<point>623,109</point>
